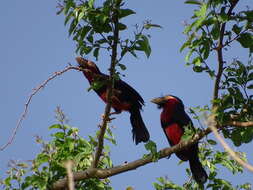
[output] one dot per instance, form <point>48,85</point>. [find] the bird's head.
<point>88,66</point>
<point>168,99</point>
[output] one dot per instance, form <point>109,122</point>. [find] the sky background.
<point>34,43</point>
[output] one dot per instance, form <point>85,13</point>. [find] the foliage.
<point>49,164</point>
<point>91,25</point>
<point>211,160</point>
<point>215,27</point>
<point>152,148</point>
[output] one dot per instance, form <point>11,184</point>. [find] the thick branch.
<point>69,166</point>
<point>240,123</point>
<point>110,85</point>
<point>220,53</point>
<point>104,173</point>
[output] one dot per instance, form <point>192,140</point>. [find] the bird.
<point>125,98</point>
<point>174,120</point>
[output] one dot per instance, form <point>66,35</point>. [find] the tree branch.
<point>68,166</point>
<point>104,173</point>
<point>212,125</point>
<point>34,92</point>
<point>220,53</point>
<point>110,85</point>
<point>240,124</point>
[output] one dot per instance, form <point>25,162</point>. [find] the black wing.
<point>180,116</point>
<point>128,94</point>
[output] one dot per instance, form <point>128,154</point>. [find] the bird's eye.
<point>159,106</point>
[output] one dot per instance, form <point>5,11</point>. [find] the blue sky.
<point>35,43</point>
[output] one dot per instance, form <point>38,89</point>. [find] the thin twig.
<point>34,92</point>
<point>110,86</point>
<point>212,125</point>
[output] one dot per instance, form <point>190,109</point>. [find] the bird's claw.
<point>109,118</point>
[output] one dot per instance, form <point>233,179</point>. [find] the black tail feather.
<point>198,172</point>
<point>139,130</point>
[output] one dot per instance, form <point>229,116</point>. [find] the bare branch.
<point>240,123</point>
<point>212,125</point>
<point>34,92</point>
<point>110,85</point>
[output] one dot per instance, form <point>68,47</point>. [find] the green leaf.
<point>247,135</point>
<point>123,67</point>
<point>250,86</point>
<point>96,85</point>
<point>72,26</point>
<point>188,132</point>
<point>151,146</point>
<point>215,31</point>
<point>59,135</point>
<point>198,69</point>
<point>193,2</point>
<point>246,40</point>
<point>96,53</point>
<point>80,16</point>
<point>236,138</point>
<point>85,50</point>
<point>84,32</point>
<point>42,158</point>
<point>188,55</point>
<point>125,12</point>
<point>55,126</point>
<point>202,11</point>
<point>69,4</point>
<point>197,61</point>
<point>122,26</point>
<point>91,3</point>
<point>148,26</point>
<point>211,142</point>
<point>236,29</point>
<point>68,18</point>
<point>186,44</point>
<point>143,45</point>
<point>250,77</point>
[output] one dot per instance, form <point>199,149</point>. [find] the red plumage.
<point>124,98</point>
<point>173,120</point>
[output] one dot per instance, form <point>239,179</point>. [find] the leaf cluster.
<point>207,32</point>
<point>236,103</point>
<point>91,25</point>
<point>213,160</point>
<point>49,165</point>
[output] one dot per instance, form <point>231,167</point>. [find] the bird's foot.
<point>112,113</point>
<point>109,118</point>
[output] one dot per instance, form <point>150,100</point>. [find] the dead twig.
<point>34,92</point>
